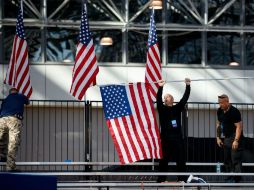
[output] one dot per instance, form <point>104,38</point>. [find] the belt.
<point>20,117</point>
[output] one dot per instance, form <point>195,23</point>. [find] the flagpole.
<point>211,79</point>
<point>192,80</point>
<point>21,5</point>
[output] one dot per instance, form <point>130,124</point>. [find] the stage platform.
<point>103,180</point>
<point>27,181</point>
<point>116,180</point>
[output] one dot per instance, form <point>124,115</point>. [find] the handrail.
<point>141,184</point>
<point>209,186</point>
<point>114,164</point>
<point>133,173</point>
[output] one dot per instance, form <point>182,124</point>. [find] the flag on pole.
<point>153,63</point>
<point>131,120</point>
<point>85,68</point>
<point>18,74</point>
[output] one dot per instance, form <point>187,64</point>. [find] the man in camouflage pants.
<point>11,115</point>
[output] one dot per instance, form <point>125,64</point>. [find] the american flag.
<point>85,68</point>
<point>18,74</point>
<point>131,121</point>
<point>153,64</point>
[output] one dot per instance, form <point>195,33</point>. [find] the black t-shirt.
<point>228,120</point>
<point>170,116</point>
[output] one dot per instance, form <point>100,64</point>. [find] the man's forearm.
<point>218,129</point>
<point>238,131</point>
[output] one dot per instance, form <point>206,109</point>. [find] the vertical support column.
<point>88,142</point>
<point>43,30</point>
<point>185,130</point>
<point>204,34</point>
<point>243,63</point>
<point>125,33</point>
<point>1,52</point>
<point>1,33</point>
<point>164,48</point>
<point>44,41</point>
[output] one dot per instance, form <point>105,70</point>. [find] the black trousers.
<point>173,149</point>
<point>233,158</point>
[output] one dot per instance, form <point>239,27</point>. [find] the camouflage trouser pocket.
<point>14,126</point>
<point>3,138</point>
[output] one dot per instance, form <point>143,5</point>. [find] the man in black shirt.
<point>230,123</point>
<point>172,141</point>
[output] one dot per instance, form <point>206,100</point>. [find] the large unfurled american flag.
<point>85,68</point>
<point>153,63</point>
<point>131,121</point>
<point>18,75</point>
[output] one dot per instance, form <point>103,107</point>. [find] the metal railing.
<point>76,132</point>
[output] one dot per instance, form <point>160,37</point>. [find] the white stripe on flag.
<point>153,122</point>
<point>87,77</point>
<point>134,138</point>
<point>139,128</point>
<point>119,141</point>
<point>127,139</point>
<point>141,110</point>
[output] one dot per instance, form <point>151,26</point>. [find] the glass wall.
<point>195,32</point>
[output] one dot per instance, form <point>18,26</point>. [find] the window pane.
<point>120,4</point>
<point>111,53</point>
<point>34,44</point>
<point>33,38</point>
<point>184,47</point>
<point>249,11</point>
<point>96,9</point>
<point>70,10</point>
<point>137,46</point>
<point>223,48</point>
<point>229,16</point>
<point>249,49</point>
<point>61,44</point>
<point>14,4</point>
<point>144,17</point>
<point>183,13</point>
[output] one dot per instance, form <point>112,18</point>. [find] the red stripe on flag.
<point>152,123</point>
<point>118,149</point>
<point>139,119</point>
<point>16,76</point>
<point>153,65</point>
<point>148,120</point>
<point>84,75</point>
<point>134,133</point>
<point>120,129</point>
<point>143,96</point>
<point>11,68</point>
<point>131,138</point>
<point>135,129</point>
<point>76,84</point>
<point>81,52</point>
<point>18,70</point>
<point>85,68</point>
